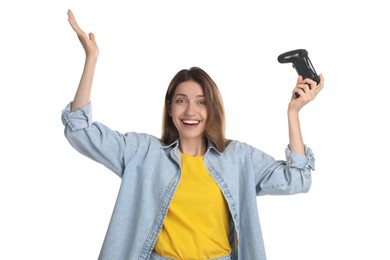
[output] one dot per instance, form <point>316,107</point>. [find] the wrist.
<point>292,110</point>
<point>91,58</point>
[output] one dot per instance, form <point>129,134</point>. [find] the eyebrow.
<point>184,95</point>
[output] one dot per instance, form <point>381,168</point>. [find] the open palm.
<point>87,41</point>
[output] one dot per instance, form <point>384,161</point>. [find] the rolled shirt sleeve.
<point>79,119</point>
<point>97,141</point>
<point>278,177</point>
<point>306,161</point>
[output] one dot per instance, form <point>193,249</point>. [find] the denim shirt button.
<point>289,161</point>
<point>226,191</point>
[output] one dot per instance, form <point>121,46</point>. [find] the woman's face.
<point>189,111</point>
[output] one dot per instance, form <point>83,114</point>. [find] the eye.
<point>180,101</point>
<point>202,102</point>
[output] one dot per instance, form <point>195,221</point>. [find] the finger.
<point>299,80</point>
<point>321,85</point>
<point>73,22</point>
<point>303,86</point>
<point>93,39</point>
<point>71,18</point>
<point>310,82</point>
<point>306,87</point>
<point>299,91</point>
<point>321,81</point>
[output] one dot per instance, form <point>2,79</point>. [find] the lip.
<point>190,123</point>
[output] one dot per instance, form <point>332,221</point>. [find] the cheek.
<point>175,116</point>
<point>204,113</point>
<point>175,111</point>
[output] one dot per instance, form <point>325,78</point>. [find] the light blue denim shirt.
<point>150,173</point>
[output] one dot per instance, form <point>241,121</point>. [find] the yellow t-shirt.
<point>197,222</point>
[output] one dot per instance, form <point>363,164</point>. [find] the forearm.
<point>294,130</point>
<point>83,93</point>
<point>307,89</point>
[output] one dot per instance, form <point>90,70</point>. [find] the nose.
<point>190,109</point>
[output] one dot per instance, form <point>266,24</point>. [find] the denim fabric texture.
<point>150,172</point>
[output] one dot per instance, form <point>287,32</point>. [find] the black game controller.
<point>301,63</point>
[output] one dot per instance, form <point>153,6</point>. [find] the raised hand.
<point>83,92</point>
<point>87,41</point>
<point>307,90</point>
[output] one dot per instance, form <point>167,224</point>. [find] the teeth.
<point>191,122</point>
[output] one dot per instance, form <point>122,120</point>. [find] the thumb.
<point>92,37</point>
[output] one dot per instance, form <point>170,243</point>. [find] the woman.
<point>192,193</point>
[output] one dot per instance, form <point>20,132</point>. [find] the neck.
<point>193,147</point>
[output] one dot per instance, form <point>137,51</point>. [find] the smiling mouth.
<point>190,122</point>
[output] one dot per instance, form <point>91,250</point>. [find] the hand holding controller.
<point>302,64</point>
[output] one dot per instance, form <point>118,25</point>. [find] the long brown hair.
<point>215,123</point>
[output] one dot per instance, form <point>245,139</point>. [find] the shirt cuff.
<point>79,119</point>
<point>295,160</point>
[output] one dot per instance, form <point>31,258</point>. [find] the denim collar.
<point>210,146</point>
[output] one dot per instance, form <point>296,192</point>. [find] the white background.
<point>56,204</point>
